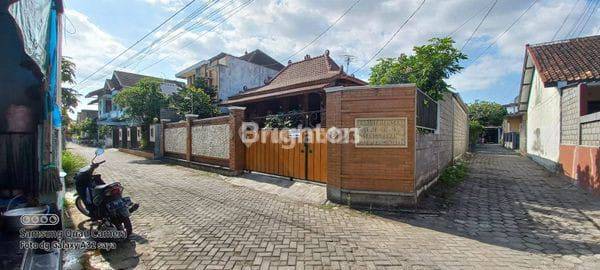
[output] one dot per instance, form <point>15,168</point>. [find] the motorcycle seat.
<point>101,187</point>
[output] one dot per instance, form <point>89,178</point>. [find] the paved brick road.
<point>509,213</point>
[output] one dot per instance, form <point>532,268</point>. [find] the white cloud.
<point>89,47</point>
<point>485,73</point>
<point>282,27</point>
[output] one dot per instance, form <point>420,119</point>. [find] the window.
<point>108,106</point>
<point>590,98</point>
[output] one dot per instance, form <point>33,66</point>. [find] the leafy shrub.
<point>284,120</point>
<point>454,174</point>
<point>475,130</point>
<point>71,163</point>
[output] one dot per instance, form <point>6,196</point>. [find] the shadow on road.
<point>507,200</point>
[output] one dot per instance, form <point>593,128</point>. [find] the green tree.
<point>201,84</point>
<point>142,103</point>
<point>87,129</point>
<point>69,96</point>
<point>428,67</point>
<point>183,99</point>
<point>67,70</point>
<point>487,113</point>
<point>475,130</point>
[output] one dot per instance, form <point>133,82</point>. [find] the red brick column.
<point>334,151</point>
<point>237,149</point>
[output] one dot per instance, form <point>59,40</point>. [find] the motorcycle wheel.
<point>126,224</point>
<point>81,206</point>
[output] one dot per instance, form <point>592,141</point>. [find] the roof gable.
<point>572,60</point>
<point>127,79</point>
<point>308,74</point>
<point>307,70</point>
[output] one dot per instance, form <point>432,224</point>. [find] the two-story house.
<point>111,114</point>
<point>229,74</point>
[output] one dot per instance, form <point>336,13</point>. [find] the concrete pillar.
<point>188,149</point>
<point>237,149</point>
<point>161,137</point>
<point>156,132</point>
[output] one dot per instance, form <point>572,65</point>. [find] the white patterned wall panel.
<point>211,141</point>
<point>175,140</point>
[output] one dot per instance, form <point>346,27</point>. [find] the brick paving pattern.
<point>509,213</point>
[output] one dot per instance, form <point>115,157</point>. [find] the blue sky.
<point>98,30</point>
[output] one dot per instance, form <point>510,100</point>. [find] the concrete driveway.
<point>509,213</point>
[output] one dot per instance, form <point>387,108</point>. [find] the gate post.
<point>237,149</point>
<point>163,124</point>
<point>155,136</point>
<point>188,149</point>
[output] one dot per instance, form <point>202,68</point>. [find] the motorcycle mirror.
<point>99,151</point>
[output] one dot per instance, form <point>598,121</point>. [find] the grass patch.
<point>454,174</point>
<point>439,196</point>
<point>71,163</point>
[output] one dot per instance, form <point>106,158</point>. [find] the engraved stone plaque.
<point>381,132</point>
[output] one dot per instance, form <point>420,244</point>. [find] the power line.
<point>465,22</point>
<point>320,35</point>
<point>588,18</point>
<point>211,16</point>
<point>573,29</point>
<point>138,41</point>
<point>194,14</point>
<point>505,31</point>
<point>162,41</point>
<point>565,20</point>
<point>479,25</point>
<point>239,8</point>
<point>326,30</point>
<point>391,38</point>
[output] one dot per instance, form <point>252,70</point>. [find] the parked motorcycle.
<point>103,202</point>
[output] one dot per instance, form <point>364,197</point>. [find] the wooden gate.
<point>304,158</point>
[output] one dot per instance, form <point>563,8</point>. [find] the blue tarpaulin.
<point>38,21</point>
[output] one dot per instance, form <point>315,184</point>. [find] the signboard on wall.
<point>139,133</point>
<point>381,132</point>
<point>120,134</point>
<point>128,134</point>
<point>152,133</point>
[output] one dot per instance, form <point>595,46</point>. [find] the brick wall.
<point>434,151</point>
<point>385,176</point>
<point>569,113</point>
<point>371,169</point>
<point>371,177</point>
<point>460,129</point>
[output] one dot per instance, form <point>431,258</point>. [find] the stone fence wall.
<point>211,141</point>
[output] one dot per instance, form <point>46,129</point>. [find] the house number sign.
<point>381,132</point>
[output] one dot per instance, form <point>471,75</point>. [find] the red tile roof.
<point>299,76</point>
<point>572,60</point>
